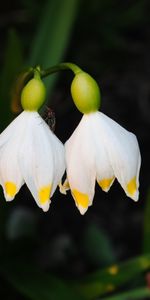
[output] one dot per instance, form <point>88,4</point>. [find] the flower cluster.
<point>98,150</point>
<point>30,153</point>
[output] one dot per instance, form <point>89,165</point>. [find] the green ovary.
<point>85,93</point>
<point>33,95</point>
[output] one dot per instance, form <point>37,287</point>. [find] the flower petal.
<point>58,158</point>
<point>37,156</point>
<point>81,173</point>
<point>104,172</point>
<point>10,175</point>
<point>12,129</point>
<point>124,154</point>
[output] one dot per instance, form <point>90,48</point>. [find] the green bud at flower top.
<point>85,93</point>
<point>33,94</point>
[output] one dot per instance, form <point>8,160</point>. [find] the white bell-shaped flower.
<point>30,153</point>
<point>100,149</point>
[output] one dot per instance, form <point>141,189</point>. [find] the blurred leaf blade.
<point>98,247</point>
<point>146,229</point>
<point>113,277</point>
<point>36,284</point>
<point>139,293</point>
<point>13,62</point>
<point>53,35</point>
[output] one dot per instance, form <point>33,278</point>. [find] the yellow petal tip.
<point>44,194</point>
<point>81,199</point>
<point>132,187</point>
<point>10,189</point>
<point>105,183</point>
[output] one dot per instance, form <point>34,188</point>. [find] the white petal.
<point>58,157</point>
<point>37,160</point>
<point>10,174</point>
<point>123,152</point>
<point>11,129</point>
<point>104,172</point>
<point>81,173</point>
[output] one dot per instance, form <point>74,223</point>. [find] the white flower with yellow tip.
<point>29,152</point>
<point>99,150</point>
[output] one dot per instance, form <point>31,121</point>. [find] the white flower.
<point>100,149</point>
<point>30,153</point>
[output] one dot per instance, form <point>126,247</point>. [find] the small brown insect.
<point>49,118</point>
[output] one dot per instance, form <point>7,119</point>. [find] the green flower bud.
<point>33,94</point>
<point>85,93</point>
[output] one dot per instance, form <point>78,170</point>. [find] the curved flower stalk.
<point>99,150</point>
<point>30,153</point>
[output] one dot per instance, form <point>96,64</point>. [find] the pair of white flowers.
<point>98,150</point>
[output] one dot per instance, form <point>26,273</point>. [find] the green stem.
<point>37,74</point>
<point>63,66</point>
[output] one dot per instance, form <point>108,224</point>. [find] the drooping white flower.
<point>30,153</point>
<point>100,149</point>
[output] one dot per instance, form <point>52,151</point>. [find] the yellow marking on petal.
<point>113,270</point>
<point>80,198</point>
<point>44,194</point>
<point>105,183</point>
<point>10,188</point>
<point>131,186</point>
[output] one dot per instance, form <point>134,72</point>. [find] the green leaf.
<point>97,247</point>
<point>139,293</point>
<point>146,229</point>
<point>52,38</point>
<point>111,278</point>
<point>13,62</point>
<point>35,284</point>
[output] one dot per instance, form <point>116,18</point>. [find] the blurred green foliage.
<point>23,274</point>
<point>109,279</point>
<point>12,64</point>
<point>146,227</point>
